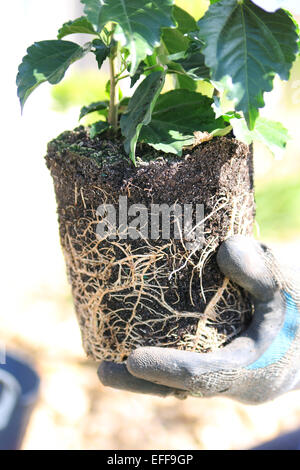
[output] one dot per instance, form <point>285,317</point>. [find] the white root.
<point>113,284</point>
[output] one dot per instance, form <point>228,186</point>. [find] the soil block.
<point>137,288</point>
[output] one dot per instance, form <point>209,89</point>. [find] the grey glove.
<point>259,365</point>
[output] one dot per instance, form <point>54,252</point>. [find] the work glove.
<point>258,365</point>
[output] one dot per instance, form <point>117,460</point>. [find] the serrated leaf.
<point>273,5</point>
<point>92,10</point>
<point>45,61</point>
<point>100,50</point>
<point>98,128</point>
<point>139,110</point>
<point>176,116</point>
<point>250,46</point>
<point>271,133</point>
<point>140,23</point>
<point>80,25</point>
<point>91,108</point>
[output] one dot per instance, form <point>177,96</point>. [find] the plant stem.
<point>113,107</point>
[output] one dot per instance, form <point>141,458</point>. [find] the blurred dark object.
<point>289,441</point>
<point>19,386</point>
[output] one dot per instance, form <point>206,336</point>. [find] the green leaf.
<point>80,25</point>
<point>96,106</point>
<point>45,61</point>
<point>140,109</point>
<point>273,134</point>
<point>100,50</point>
<point>177,53</point>
<point>185,83</point>
<point>245,47</point>
<point>194,65</point>
<point>192,61</point>
<point>92,10</point>
<point>140,23</point>
<point>174,41</point>
<point>185,22</point>
<point>138,73</point>
<point>98,128</point>
<point>123,105</point>
<point>176,116</point>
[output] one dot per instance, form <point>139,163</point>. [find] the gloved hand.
<point>260,364</point>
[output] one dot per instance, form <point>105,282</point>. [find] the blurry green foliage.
<point>79,89</point>
<point>278,208</point>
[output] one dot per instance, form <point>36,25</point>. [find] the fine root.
<point>127,294</point>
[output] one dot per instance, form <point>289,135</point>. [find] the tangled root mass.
<point>130,293</point>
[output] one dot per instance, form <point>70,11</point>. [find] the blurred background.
<point>74,410</point>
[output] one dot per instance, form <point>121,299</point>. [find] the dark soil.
<point>88,173</point>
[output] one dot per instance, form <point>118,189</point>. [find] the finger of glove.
<point>117,376</point>
<point>181,369</point>
<point>249,264</point>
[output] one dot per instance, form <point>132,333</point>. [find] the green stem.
<point>113,107</point>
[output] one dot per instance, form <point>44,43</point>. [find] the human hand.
<point>259,365</point>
